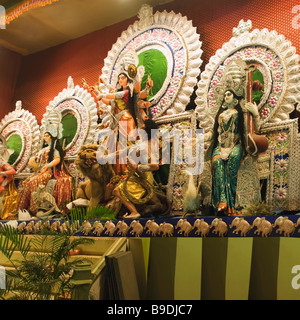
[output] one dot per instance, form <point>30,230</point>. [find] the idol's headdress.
<point>234,79</point>
<point>129,66</point>
<point>53,124</point>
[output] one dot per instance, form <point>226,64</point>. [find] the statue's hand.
<point>101,80</point>
<point>252,108</point>
<point>149,84</point>
<point>44,169</point>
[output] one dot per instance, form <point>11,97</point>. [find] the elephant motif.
<point>38,226</point>
<point>263,226</point>
<point>122,227</point>
<point>21,226</point>
<point>220,226</point>
<point>185,227</point>
<point>110,228</point>
<point>297,224</point>
<point>29,227</point>
<point>167,229</point>
<point>137,228</point>
<point>241,225</point>
<point>202,227</point>
<point>97,228</point>
<point>152,227</point>
<point>54,226</point>
<point>86,227</point>
<point>286,226</point>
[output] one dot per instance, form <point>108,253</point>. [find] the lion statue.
<point>99,175</point>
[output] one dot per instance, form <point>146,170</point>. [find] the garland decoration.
<point>25,6</point>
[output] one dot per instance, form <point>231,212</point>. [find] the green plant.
<point>44,270</point>
<point>91,213</point>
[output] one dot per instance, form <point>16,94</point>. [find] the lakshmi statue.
<point>48,164</point>
<point>228,143</point>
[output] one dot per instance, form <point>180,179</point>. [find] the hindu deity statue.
<point>127,102</point>
<point>48,164</point>
<point>227,138</point>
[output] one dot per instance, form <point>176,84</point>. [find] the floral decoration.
<point>266,57</point>
<point>279,142</point>
<point>20,127</point>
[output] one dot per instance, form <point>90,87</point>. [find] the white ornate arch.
<point>176,38</point>
<point>76,101</point>
<point>24,124</point>
<point>279,64</point>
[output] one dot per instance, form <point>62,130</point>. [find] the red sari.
<point>62,191</point>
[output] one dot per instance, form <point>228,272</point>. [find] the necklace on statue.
<point>225,132</point>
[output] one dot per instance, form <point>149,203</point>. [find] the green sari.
<point>226,158</point>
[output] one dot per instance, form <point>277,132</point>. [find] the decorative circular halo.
<point>23,125</point>
<point>275,58</point>
<point>175,37</point>
<point>78,103</point>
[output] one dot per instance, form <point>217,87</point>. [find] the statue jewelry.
<point>225,132</point>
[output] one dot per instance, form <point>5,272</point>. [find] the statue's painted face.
<point>122,80</point>
<point>228,97</point>
<point>47,137</point>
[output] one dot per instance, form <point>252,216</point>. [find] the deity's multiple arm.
<point>6,173</point>
<point>35,162</point>
<point>52,164</point>
<point>8,170</point>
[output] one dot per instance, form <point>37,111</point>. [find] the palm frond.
<point>91,213</point>
<point>11,240</point>
<point>41,275</point>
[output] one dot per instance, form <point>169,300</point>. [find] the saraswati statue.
<point>231,138</point>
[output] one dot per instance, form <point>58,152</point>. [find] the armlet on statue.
<point>120,94</point>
